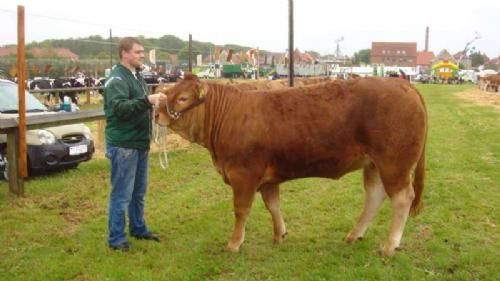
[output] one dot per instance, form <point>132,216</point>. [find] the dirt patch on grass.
<point>481,98</point>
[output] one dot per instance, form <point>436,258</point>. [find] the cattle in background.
<point>259,139</point>
<point>62,82</point>
<point>490,82</point>
<point>43,84</point>
<point>40,84</point>
<point>65,83</point>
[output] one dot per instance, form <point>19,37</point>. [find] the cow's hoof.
<point>388,250</point>
<point>279,239</point>
<point>233,248</point>
<point>351,238</point>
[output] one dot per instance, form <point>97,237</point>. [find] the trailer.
<point>232,71</point>
<point>303,69</point>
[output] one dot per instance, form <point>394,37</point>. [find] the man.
<point>127,107</point>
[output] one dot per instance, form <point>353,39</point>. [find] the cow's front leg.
<point>271,196</point>
<point>242,200</point>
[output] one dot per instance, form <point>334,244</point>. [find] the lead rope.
<point>160,137</point>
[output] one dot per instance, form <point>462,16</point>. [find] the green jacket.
<point>127,110</point>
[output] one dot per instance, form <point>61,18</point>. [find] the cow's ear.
<point>203,90</point>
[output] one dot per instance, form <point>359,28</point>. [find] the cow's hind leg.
<point>401,199</point>
<point>375,195</point>
<point>271,196</point>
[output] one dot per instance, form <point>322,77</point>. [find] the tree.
<point>184,53</point>
<point>362,56</point>
<point>476,59</point>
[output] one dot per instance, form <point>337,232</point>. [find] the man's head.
<point>131,52</point>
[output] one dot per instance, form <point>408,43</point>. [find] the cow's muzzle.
<point>172,113</point>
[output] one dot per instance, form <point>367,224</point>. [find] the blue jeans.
<point>129,179</point>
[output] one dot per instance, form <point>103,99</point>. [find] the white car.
<point>208,73</point>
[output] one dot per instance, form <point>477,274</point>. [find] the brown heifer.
<point>491,81</point>
<point>258,140</point>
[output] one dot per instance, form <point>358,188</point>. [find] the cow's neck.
<point>218,101</point>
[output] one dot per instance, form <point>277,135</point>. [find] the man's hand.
<point>153,99</point>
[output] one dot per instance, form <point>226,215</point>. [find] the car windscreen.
<point>9,100</point>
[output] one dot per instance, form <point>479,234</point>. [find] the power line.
<point>78,21</point>
<point>106,27</point>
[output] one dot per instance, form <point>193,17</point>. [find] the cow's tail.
<point>418,185</point>
<point>419,175</point>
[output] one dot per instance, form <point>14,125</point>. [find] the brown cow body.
<point>258,140</point>
<point>491,81</point>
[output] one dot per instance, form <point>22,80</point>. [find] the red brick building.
<point>424,61</point>
<point>394,53</point>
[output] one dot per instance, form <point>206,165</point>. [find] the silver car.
<point>47,148</point>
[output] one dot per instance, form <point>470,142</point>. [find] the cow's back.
<point>321,130</point>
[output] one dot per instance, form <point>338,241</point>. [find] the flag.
<point>35,69</point>
<point>48,67</point>
<point>152,56</point>
<point>217,53</point>
<point>13,71</point>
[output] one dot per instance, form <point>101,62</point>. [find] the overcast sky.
<point>264,23</point>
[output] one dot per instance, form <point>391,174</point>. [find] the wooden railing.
<point>10,127</point>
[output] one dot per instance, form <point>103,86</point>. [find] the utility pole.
<point>290,43</point>
<point>110,49</point>
<point>190,55</point>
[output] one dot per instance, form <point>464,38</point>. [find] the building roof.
<point>444,55</point>
<point>7,51</point>
<point>425,58</point>
<point>495,61</point>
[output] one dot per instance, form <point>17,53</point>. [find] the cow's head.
<point>181,98</point>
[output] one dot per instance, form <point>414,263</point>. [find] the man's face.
<point>135,57</point>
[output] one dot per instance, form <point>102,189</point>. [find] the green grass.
<point>58,231</point>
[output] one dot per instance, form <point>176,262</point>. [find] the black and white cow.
<point>65,83</point>
<point>42,84</point>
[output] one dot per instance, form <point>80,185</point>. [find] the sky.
<point>264,23</point>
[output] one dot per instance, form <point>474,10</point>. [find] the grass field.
<point>59,230</point>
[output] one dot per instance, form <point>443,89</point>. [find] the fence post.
<point>100,135</point>
<point>16,182</point>
<point>88,96</point>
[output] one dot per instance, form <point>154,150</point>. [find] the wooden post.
<point>190,56</point>
<point>16,183</point>
<point>110,49</point>
<point>21,64</point>
<point>290,43</point>
<point>258,64</point>
<point>87,93</point>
